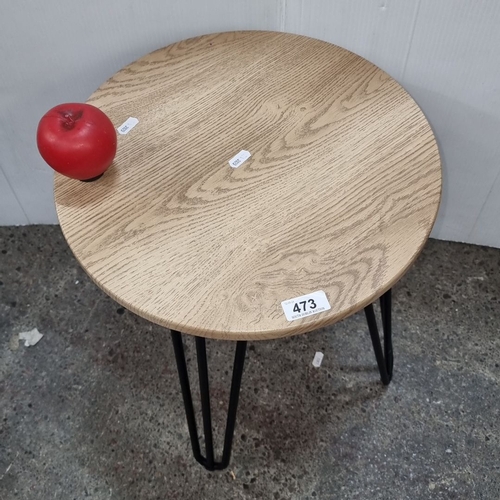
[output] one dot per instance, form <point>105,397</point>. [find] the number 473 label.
<point>306,305</point>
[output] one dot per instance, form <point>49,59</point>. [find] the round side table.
<point>272,184</point>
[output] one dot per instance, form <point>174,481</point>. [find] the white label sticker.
<point>241,157</point>
<point>127,126</point>
<point>318,358</point>
<point>306,305</point>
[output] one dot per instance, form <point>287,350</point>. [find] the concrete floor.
<point>94,410</point>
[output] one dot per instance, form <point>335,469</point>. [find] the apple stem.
<point>70,118</point>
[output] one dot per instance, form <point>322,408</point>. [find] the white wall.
<point>446,54</point>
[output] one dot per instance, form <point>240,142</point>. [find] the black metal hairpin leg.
<point>208,461</point>
<point>385,359</point>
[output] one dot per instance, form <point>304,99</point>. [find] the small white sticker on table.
<point>305,305</point>
<point>240,158</point>
<point>127,126</point>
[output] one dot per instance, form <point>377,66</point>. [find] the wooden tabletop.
<point>339,194</point>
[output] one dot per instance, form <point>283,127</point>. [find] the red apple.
<point>77,140</point>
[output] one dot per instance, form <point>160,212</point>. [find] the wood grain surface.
<point>340,193</point>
